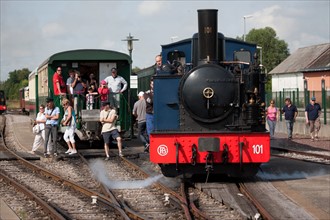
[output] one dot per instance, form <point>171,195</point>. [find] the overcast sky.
<point>31,31</point>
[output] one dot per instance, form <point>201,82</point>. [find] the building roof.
<point>312,58</point>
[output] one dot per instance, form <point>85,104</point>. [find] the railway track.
<point>66,198</point>
<point>145,196</point>
<point>321,157</point>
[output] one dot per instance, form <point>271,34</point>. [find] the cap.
<point>141,93</point>
<point>313,98</point>
<point>49,99</point>
<point>113,69</point>
<point>103,82</point>
<point>105,103</point>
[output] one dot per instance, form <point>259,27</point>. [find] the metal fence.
<point>301,99</point>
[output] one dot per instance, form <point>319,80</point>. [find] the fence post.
<point>324,101</point>
<point>281,105</point>
<point>306,94</point>
<point>297,97</point>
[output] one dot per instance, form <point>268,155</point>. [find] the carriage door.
<point>105,70</point>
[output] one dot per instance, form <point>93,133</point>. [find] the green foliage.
<point>17,79</point>
<point>135,69</point>
<point>274,50</point>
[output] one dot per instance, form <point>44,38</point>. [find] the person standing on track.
<point>108,117</point>
<point>69,121</point>
<point>39,139</point>
<point>139,111</point>
<point>52,114</point>
<point>148,97</point>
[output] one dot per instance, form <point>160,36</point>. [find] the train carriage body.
<point>86,61</point>
<point>209,114</point>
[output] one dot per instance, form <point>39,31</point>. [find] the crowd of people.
<point>48,117</point>
<point>290,111</point>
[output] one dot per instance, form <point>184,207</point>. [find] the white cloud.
<point>103,24</point>
<point>148,8</point>
<point>52,30</point>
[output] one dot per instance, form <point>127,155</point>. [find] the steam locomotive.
<point>209,114</point>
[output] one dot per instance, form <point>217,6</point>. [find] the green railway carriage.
<point>86,61</point>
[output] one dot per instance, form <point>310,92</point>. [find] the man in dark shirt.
<point>148,97</point>
<point>290,112</point>
<point>312,115</point>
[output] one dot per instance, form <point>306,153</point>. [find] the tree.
<point>274,50</point>
<point>17,79</point>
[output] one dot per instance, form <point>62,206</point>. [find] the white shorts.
<point>69,134</point>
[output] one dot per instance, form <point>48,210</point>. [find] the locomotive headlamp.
<point>208,92</point>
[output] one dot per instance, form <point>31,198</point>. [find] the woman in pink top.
<point>272,113</point>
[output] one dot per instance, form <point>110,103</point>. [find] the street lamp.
<point>245,17</point>
<point>130,40</point>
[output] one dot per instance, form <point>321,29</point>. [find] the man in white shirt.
<point>116,85</point>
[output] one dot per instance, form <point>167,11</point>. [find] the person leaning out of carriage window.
<point>69,122</point>
<point>58,82</point>
<point>272,116</point>
<point>92,82</point>
<point>79,89</point>
<point>69,82</point>
<point>312,115</point>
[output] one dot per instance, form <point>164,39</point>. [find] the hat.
<point>313,98</point>
<point>49,99</point>
<point>105,103</point>
<point>103,82</point>
<point>141,93</point>
<point>113,69</point>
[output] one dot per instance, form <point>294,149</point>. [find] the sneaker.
<point>68,151</point>
<point>121,154</point>
<point>32,152</point>
<point>46,155</point>
<point>55,154</point>
<point>73,152</point>
<point>107,158</point>
<point>316,138</point>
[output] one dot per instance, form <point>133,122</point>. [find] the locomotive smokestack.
<point>207,36</point>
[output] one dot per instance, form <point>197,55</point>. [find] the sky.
<point>32,31</point>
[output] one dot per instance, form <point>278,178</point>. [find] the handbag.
<point>36,129</point>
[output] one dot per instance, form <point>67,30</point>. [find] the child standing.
<point>103,91</point>
<point>90,98</point>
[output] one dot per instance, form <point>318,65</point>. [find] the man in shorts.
<point>108,118</point>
